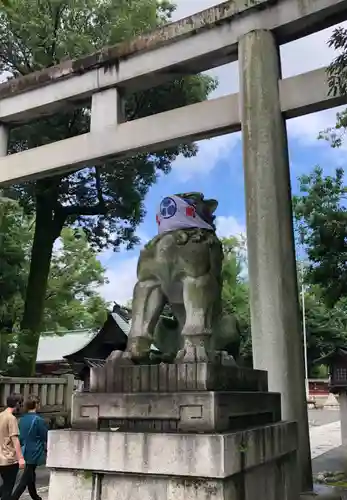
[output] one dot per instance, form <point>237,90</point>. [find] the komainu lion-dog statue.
<point>181,267</point>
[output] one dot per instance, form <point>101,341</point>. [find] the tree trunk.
<point>41,254</point>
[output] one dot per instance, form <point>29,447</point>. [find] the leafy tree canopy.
<point>105,200</point>
<point>235,292</point>
<point>72,300</point>
<point>320,212</point>
<point>337,85</point>
<point>326,327</point>
<point>320,218</point>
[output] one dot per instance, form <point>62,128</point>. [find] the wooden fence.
<point>55,394</point>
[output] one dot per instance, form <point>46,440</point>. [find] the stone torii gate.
<point>250,31</point>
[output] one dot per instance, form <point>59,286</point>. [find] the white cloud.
<point>308,53</point>
<point>302,55</point>
<point>210,152</point>
<point>144,238</point>
<point>188,7</point>
<point>120,272</point>
<point>297,57</point>
<point>122,276</point>
<point>305,129</point>
<point>121,281</point>
<point>107,256</point>
<point>229,226</point>
<point>57,246</point>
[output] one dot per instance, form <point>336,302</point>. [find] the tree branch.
<point>51,295</point>
<point>58,13</point>
<point>78,210</point>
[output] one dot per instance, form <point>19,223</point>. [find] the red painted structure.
<point>318,387</point>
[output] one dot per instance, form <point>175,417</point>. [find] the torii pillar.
<point>275,314</point>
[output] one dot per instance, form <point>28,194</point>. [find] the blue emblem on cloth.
<point>168,208</point>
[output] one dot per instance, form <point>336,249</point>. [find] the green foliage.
<point>71,300</point>
<point>321,214</point>
<point>337,69</point>
<point>14,243</point>
<point>235,292</point>
<point>105,200</point>
<point>337,85</point>
<point>335,135</point>
<point>326,327</point>
<point>14,246</point>
<point>37,34</point>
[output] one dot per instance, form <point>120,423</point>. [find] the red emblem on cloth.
<point>190,212</point>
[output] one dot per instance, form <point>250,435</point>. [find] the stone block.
<point>163,378</point>
<point>65,485</point>
<point>198,455</point>
<point>175,412</point>
<point>264,484</point>
<point>247,465</point>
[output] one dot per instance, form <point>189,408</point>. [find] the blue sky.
<point>217,170</point>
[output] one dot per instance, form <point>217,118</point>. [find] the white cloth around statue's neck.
<point>177,213</point>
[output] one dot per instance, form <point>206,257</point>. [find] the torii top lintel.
<point>313,19</point>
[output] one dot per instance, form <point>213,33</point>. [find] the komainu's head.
<point>204,208</point>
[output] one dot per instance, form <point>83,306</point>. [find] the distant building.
<point>77,351</point>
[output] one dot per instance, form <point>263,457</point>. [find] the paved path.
<point>42,480</point>
<point>317,418</point>
<point>43,492</point>
<point>325,438</point>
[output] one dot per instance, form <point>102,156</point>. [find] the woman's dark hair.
<point>31,403</point>
<point>14,400</point>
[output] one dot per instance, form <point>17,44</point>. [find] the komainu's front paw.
<point>196,351</point>
<point>137,351</point>
<point>193,353</point>
<point>120,358</point>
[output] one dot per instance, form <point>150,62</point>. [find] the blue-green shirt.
<point>33,438</point>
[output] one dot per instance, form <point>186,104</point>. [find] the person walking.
<point>11,457</point>
<point>33,438</point>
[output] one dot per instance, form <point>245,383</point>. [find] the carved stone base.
<point>175,412</point>
<point>163,378</point>
<point>258,464</point>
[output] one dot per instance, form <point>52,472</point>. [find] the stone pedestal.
<point>156,442</point>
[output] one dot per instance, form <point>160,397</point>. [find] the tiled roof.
<point>122,323</point>
<point>55,347</point>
